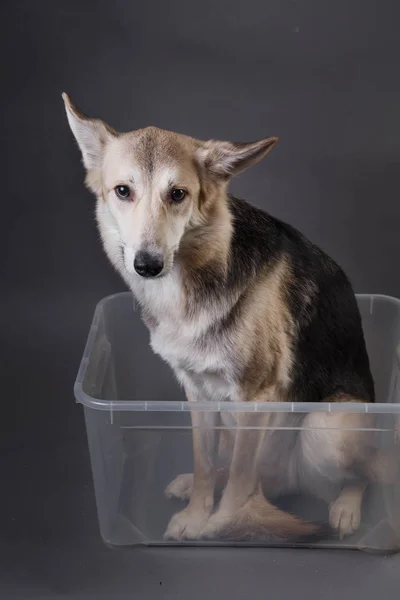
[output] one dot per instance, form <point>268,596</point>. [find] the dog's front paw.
<point>215,524</point>
<point>345,516</point>
<point>180,487</point>
<point>186,525</point>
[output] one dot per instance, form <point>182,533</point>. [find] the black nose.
<point>148,265</point>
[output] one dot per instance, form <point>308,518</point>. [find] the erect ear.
<point>226,159</point>
<point>91,134</point>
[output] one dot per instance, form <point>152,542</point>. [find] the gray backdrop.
<point>324,77</point>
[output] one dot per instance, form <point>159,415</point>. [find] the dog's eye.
<point>123,192</point>
<point>177,195</point>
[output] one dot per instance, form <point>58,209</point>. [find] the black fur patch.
<point>330,356</point>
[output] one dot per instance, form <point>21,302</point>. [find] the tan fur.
<point>208,240</point>
<point>243,477</point>
<point>259,520</point>
<point>264,336</point>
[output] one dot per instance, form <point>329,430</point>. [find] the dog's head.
<point>155,185</point>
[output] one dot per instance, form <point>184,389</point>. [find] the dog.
<point>244,308</point>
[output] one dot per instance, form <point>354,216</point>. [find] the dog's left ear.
<point>91,134</point>
<point>227,159</point>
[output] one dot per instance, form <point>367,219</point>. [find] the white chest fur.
<point>202,361</point>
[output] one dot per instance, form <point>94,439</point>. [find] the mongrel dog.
<point>243,308</point>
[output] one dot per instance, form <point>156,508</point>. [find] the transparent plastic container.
<point>140,438</point>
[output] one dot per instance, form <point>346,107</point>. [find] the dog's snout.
<point>147,264</point>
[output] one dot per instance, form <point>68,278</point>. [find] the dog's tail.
<point>260,521</point>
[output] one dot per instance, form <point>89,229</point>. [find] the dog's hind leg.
<point>345,511</point>
<point>339,460</point>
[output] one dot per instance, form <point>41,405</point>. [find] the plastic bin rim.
<point>284,407</point>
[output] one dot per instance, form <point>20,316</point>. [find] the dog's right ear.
<point>91,134</point>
